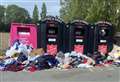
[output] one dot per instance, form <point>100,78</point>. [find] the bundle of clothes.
<point>23,57</point>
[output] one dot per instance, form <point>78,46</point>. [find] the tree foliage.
<point>35,14</point>
<point>2,11</point>
<point>74,9</point>
<point>91,11</point>
<point>44,11</point>
<point>16,14</point>
<point>12,13</point>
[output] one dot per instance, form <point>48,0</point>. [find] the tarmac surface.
<point>99,74</point>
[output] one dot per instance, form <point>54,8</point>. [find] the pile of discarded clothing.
<point>114,55</point>
<point>23,57</point>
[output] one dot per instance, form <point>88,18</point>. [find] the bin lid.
<point>105,22</point>
<point>47,18</point>
<point>77,21</point>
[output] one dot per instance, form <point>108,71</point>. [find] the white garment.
<point>11,52</point>
<point>73,53</point>
<point>84,66</point>
<point>23,48</point>
<point>32,58</point>
<point>67,54</point>
<point>8,61</point>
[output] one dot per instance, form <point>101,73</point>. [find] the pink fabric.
<point>79,48</point>
<point>32,69</point>
<point>52,49</point>
<point>102,48</point>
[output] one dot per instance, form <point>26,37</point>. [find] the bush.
<point>2,53</point>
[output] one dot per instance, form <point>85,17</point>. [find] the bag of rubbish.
<point>67,60</point>
<point>21,58</point>
<point>2,66</point>
<point>23,49</point>
<point>60,57</point>
<point>45,62</point>
<point>117,63</point>
<point>115,53</point>
<point>99,58</point>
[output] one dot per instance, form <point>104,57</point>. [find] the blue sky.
<point>53,6</point>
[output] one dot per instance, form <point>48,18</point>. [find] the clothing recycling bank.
<point>23,57</point>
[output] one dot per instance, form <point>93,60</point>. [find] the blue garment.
<point>22,57</point>
<point>16,44</point>
<point>45,62</point>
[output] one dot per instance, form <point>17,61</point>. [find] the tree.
<point>35,16</point>
<point>74,9</point>
<point>105,10</point>
<point>63,10</point>
<point>101,10</point>
<point>2,11</point>
<point>44,11</point>
<point>91,11</point>
<point>16,14</point>
<point>116,17</point>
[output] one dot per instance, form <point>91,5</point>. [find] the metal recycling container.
<point>78,36</point>
<point>51,34</point>
<point>103,40</point>
<point>26,33</point>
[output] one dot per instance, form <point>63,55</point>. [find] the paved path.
<point>107,74</point>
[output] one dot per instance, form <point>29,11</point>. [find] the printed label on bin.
<point>24,33</point>
<point>79,48</point>
<point>79,40</point>
<point>52,40</point>
<point>103,41</point>
<point>102,48</point>
<point>52,49</point>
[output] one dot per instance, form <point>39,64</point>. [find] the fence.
<point>4,40</point>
